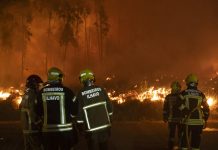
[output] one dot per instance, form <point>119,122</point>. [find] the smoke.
<point>146,40</point>
<point>163,37</point>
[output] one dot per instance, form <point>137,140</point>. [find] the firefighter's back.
<point>57,107</point>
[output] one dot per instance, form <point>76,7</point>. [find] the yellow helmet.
<point>191,78</point>
<point>55,74</point>
<point>86,75</point>
<point>175,87</point>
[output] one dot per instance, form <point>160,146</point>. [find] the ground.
<point>143,135</point>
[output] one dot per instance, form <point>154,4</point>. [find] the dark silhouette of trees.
<point>72,15</point>
<point>101,25</point>
<point>16,17</point>
<point>15,32</point>
<point>48,8</point>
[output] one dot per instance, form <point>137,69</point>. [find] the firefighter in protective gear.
<point>195,112</point>
<point>95,112</point>
<point>57,107</point>
<point>171,113</point>
<point>31,122</point>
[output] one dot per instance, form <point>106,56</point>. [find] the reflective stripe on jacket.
<point>194,107</point>
<point>57,107</point>
<point>170,108</point>
<point>95,109</point>
<point>29,119</point>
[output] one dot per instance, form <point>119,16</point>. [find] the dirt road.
<point>144,135</point>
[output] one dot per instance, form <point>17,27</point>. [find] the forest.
<point>37,34</point>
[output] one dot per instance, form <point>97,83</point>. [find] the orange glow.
<point>152,94</point>
<point>14,95</point>
<point>16,102</point>
<point>211,101</point>
<point>4,95</point>
<point>145,94</point>
<point>108,78</point>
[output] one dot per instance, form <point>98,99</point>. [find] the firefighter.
<point>95,112</point>
<point>195,112</point>
<point>29,119</point>
<point>171,113</point>
<point>58,108</point>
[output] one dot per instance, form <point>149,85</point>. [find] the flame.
<point>120,98</point>
<point>16,102</point>
<point>4,95</point>
<point>211,129</point>
<point>12,94</point>
<point>212,101</point>
<point>152,94</point>
<point>108,78</point>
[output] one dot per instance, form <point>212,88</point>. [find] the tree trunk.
<point>49,33</point>
<point>99,32</point>
<point>22,49</point>
<point>86,42</point>
<point>65,56</point>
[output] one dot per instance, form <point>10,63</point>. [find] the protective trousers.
<point>173,128</point>
<point>58,140</point>
<point>32,141</point>
<point>191,137</point>
<point>98,140</point>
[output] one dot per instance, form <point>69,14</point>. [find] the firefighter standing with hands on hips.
<point>57,108</point>
<point>195,112</point>
<point>171,113</point>
<point>31,122</point>
<point>95,112</point>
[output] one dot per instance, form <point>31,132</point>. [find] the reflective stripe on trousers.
<point>57,127</point>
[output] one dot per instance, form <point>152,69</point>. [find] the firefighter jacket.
<point>95,109</point>
<point>194,106</point>
<point>171,113</point>
<point>29,119</point>
<point>57,107</point>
